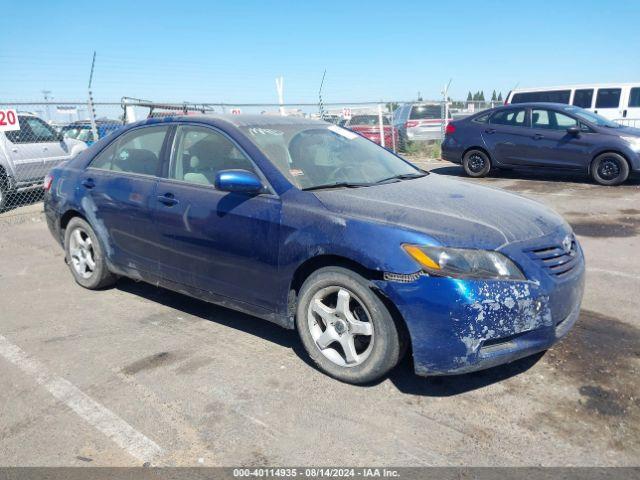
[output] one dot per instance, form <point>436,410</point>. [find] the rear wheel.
<point>610,169</point>
<point>345,328</point>
<point>476,163</point>
<point>85,256</point>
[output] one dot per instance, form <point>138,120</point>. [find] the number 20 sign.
<point>9,120</point>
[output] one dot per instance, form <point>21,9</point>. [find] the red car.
<point>368,126</point>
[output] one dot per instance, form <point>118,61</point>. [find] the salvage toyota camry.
<point>318,229</point>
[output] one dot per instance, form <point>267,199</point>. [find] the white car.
<point>27,155</point>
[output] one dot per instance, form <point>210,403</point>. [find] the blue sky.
<point>232,50</point>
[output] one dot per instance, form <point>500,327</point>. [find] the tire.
<point>85,256</point>
<point>609,169</point>
<point>476,163</point>
<point>376,348</point>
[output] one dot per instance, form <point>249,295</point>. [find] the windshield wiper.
<point>337,185</point>
<point>404,176</point>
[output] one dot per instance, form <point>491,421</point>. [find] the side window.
<point>608,98</point>
<point>583,98</point>
<point>634,97</point>
<point>550,119</point>
<point>135,152</point>
<point>32,130</point>
<point>199,153</point>
<point>481,118</point>
<point>552,96</point>
<point>512,117</point>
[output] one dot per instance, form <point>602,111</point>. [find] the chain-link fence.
<point>37,136</point>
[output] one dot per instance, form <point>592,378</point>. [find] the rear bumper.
<point>452,151</point>
<point>425,135</point>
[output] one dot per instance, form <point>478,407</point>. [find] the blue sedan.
<point>318,229</point>
<point>543,135</point>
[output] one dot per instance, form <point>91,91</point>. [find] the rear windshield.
<point>371,120</point>
<point>551,96</point>
<point>429,112</point>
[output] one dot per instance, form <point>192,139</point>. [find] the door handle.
<point>538,136</point>
<point>624,114</point>
<point>168,199</point>
<point>45,149</point>
<point>14,150</point>
<point>490,130</point>
<point>88,183</point>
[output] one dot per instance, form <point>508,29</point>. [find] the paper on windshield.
<point>343,132</point>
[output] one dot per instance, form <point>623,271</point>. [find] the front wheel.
<point>476,163</point>
<point>345,328</point>
<point>610,169</point>
<point>85,256</point>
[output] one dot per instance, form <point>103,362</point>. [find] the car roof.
<point>237,120</point>
<point>535,104</point>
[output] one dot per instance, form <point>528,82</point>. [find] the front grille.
<point>556,259</point>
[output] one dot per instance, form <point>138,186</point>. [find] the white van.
<point>619,102</point>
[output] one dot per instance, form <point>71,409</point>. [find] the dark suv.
<point>543,135</point>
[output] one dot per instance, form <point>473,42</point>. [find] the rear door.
<point>120,198</point>
<point>506,135</point>
<point>550,145</point>
<point>608,103</point>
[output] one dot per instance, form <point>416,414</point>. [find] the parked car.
<point>369,127</point>
<point>26,155</point>
<point>616,101</point>
<point>542,135</point>
<point>315,228</point>
<point>418,122</point>
<point>82,130</point>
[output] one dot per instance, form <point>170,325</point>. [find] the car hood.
<point>626,131</point>
<point>453,212</point>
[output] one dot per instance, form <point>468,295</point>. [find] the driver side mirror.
<point>575,130</point>
<point>242,181</point>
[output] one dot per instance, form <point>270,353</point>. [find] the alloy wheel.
<point>82,253</point>
<point>609,169</point>
<point>340,326</point>
<point>476,162</point>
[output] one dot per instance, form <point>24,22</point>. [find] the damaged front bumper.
<point>458,326</point>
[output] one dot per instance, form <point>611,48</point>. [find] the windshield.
<point>591,117</point>
<point>70,132</point>
<point>313,156</point>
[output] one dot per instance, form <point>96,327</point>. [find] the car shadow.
<point>403,376</point>
<point>546,175</point>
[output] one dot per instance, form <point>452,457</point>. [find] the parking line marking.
<point>614,272</point>
<point>128,438</point>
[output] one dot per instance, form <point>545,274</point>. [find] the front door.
<point>551,145</point>
<point>120,186</point>
<point>218,242</point>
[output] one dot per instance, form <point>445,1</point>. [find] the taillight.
<point>450,130</point>
<point>48,180</point>
<point>411,123</point>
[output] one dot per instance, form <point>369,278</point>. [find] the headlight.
<point>634,142</point>
<point>464,263</point>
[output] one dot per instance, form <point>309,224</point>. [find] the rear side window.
<point>551,96</point>
<point>135,152</point>
<point>481,118</point>
<point>514,117</point>
<point>425,112</point>
<point>634,97</point>
<point>608,98</point>
<point>583,98</point>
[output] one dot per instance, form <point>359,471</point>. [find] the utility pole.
<point>47,97</point>
<point>320,103</point>
<point>280,90</point>
<point>92,111</point>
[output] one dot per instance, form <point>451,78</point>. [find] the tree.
<point>500,97</point>
<point>494,97</point>
<point>481,97</point>
<point>392,106</point>
<point>469,97</point>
